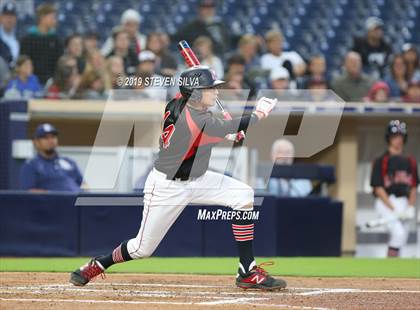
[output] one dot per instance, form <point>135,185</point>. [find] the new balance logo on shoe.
<point>258,278</point>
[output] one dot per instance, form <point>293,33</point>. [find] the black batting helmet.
<point>197,77</point>
<point>396,127</point>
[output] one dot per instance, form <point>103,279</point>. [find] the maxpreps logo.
<point>219,214</point>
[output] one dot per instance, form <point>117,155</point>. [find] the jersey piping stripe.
<point>198,138</point>
<point>414,176</point>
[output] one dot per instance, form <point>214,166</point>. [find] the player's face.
<point>396,143</point>
<point>46,144</point>
<point>209,97</point>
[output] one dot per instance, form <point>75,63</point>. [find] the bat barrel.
<point>188,54</point>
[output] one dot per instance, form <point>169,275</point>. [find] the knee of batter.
<point>242,199</point>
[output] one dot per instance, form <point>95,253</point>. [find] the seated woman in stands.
<point>91,86</point>
<point>65,81</point>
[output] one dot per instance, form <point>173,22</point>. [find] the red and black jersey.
<point>188,136</point>
<point>398,174</point>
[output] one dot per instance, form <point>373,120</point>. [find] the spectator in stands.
<point>130,23</point>
<point>204,48</point>
<point>207,24</point>
<point>42,44</point>
<point>166,64</point>
<point>48,171</point>
<point>90,42</point>
<point>147,63</point>
<point>115,69</point>
<point>276,57</point>
<point>95,61</point>
<point>235,66</point>
<point>318,90</point>
<point>24,85</point>
<point>397,79</point>
<point>412,61</point>
<point>7,29</point>
<point>353,84</point>
<point>379,92</point>
<point>147,69</point>
<point>65,81</point>
<point>283,153</point>
<point>6,54</point>
<point>4,75</point>
<point>316,71</point>
<point>413,93</point>
<point>234,87</point>
<point>91,86</point>
<point>279,79</point>
<point>247,49</point>
<point>122,49</point>
<point>74,48</point>
<point>373,49</point>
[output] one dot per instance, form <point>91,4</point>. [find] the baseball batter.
<point>394,180</point>
<point>180,176</point>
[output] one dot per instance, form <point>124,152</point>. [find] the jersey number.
<point>167,131</point>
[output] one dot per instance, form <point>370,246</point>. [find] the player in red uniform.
<point>180,176</point>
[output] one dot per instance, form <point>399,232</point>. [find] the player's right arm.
<point>377,182</point>
<point>381,193</point>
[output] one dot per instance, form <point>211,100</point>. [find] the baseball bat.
<point>407,216</point>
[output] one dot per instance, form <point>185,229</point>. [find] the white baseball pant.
<point>398,229</point>
<point>164,200</point>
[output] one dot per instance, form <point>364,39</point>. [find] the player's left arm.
<point>215,126</point>
<point>220,127</point>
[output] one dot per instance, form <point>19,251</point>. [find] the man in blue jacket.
<point>48,171</point>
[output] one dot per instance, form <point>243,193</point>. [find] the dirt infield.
<point>144,291</point>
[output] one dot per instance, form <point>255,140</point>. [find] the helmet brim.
<point>215,84</point>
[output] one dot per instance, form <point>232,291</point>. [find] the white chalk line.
<point>142,294</point>
<point>289,291</point>
<point>243,301</point>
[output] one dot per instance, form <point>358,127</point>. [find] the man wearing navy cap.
<point>7,30</point>
<point>48,171</point>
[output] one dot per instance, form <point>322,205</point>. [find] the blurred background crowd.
<point>363,50</point>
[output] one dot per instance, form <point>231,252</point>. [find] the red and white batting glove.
<point>236,137</point>
<point>265,105</point>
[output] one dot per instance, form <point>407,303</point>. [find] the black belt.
<point>180,179</point>
<point>175,178</point>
